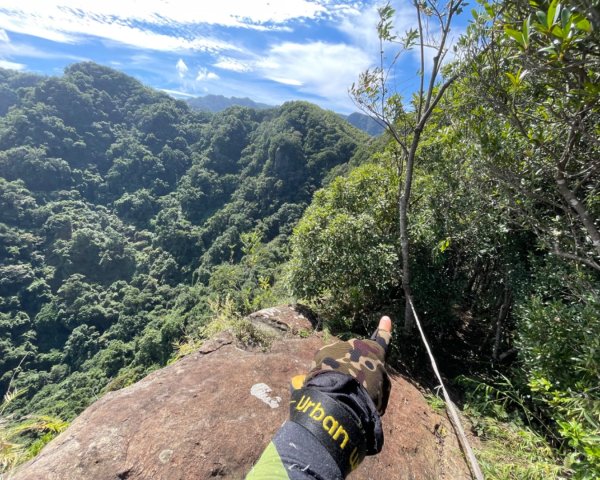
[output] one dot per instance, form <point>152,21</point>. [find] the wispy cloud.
<point>18,49</point>
<point>181,68</point>
<point>233,65</point>
<point>318,68</point>
<point>74,27</point>
<point>12,65</point>
<point>204,74</point>
<point>145,25</point>
<point>272,50</point>
<point>177,93</point>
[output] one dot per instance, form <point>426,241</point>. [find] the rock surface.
<point>212,413</point>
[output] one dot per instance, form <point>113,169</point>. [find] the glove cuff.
<point>332,424</point>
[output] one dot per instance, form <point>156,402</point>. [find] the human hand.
<point>364,360</point>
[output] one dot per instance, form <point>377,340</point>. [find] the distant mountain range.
<point>364,122</point>
<point>218,103</point>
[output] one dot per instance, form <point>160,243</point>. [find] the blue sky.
<point>268,50</point>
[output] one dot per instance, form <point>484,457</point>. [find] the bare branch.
<point>576,258</point>
<point>571,198</point>
<point>436,100</point>
<point>442,45</point>
<point>422,72</point>
<point>514,182</point>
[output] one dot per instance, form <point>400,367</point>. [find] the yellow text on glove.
<point>329,423</point>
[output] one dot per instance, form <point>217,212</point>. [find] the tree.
<point>372,94</point>
<point>535,100</point>
<point>344,249</point>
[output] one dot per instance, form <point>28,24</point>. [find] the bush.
<point>345,247</point>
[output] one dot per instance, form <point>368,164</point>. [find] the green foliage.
<point>537,129</point>
<point>562,374</point>
<point>124,215</point>
<point>132,229</point>
<point>226,318</point>
<point>577,416</point>
<point>15,435</point>
<point>11,453</point>
<point>344,248</point>
<point>503,227</point>
<point>511,452</point>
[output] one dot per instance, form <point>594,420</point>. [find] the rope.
<point>450,407</point>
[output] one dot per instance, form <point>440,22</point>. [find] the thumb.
<point>385,324</point>
<point>383,334</point>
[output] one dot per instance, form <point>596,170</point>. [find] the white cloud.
<point>177,93</point>
<point>67,26</point>
<point>181,68</point>
<point>361,27</point>
<point>321,69</point>
<point>11,65</point>
<point>287,81</point>
<point>143,25</point>
<point>360,24</point>
<point>204,74</point>
<point>4,36</point>
<point>232,64</point>
<point>24,50</point>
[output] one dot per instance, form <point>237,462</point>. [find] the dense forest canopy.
<point>128,221</point>
<point>123,212</point>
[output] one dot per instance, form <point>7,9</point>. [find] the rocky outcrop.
<point>212,413</point>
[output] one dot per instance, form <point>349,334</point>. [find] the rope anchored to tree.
<point>450,407</point>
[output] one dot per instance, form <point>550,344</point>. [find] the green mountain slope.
<point>124,213</point>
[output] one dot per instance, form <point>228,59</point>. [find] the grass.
<point>512,452</point>
<point>225,318</point>
<point>22,440</point>
<point>508,451</point>
<point>436,403</point>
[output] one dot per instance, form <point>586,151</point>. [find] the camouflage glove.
<point>363,360</point>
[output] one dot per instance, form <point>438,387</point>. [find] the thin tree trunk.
<point>508,353</point>
<point>579,207</point>
<point>504,309</point>
<point>473,277</point>
<point>409,321</point>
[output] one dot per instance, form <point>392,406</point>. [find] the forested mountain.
<point>218,103</point>
<point>129,220</point>
<point>365,123</point>
<point>124,213</point>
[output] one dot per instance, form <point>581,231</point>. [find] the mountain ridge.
<point>128,220</point>
<point>218,103</point>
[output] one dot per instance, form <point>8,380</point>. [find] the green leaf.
<point>559,32</point>
<point>552,13</point>
<point>584,25</point>
<point>565,18</point>
<point>385,25</point>
<point>515,34</point>
<point>444,244</point>
<point>410,38</point>
<point>592,439</point>
<point>525,30</point>
<point>542,18</point>
<point>512,79</point>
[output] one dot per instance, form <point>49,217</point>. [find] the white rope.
<point>450,407</point>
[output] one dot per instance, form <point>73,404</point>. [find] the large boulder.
<point>212,413</point>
